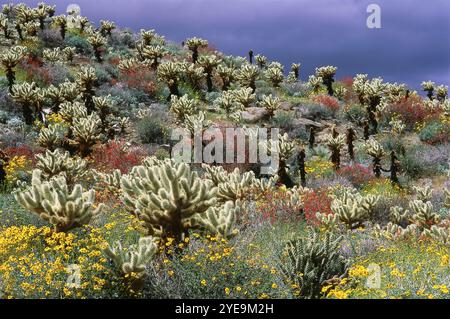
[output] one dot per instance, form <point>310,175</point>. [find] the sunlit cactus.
<point>194,74</point>
<point>376,151</point>
<point>261,60</point>
<point>69,53</point>
<point>220,221</point>
<point>86,133</point>
<point>446,108</point>
<point>132,261</point>
<point>295,67</point>
<point>169,73</point>
<point>327,74</point>
<point>228,102</point>
<point>182,106</point>
<point>98,43</point>
<point>315,82</point>
<point>147,36</point>
<point>244,96</point>
<point>165,196</point>
<point>52,137</point>
<point>194,44</point>
<point>83,24</point>
<point>397,126</point>
<point>274,75</point>
<point>26,94</point>
<point>197,123</point>
<point>52,55</point>
<point>439,234</point>
<point>340,92</point>
<point>423,193</point>
<point>354,209</point>
<point>209,63</point>
<point>227,75</point>
<point>42,14</point>
<point>61,22</point>
<point>4,26</point>
<point>247,76</point>
<point>86,80</point>
<point>335,143</point>
<point>9,60</point>
<point>270,103</point>
<point>153,54</point>
<point>428,87</point>
<point>442,92</point>
<point>423,214</point>
<point>55,203</point>
<point>106,27</point>
<point>60,163</point>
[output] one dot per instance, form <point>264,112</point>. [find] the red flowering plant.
<point>357,174</point>
<point>316,201</point>
<point>276,207</point>
<point>140,78</point>
<point>117,155</point>
<point>330,102</point>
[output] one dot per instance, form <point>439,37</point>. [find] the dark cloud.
<point>412,45</point>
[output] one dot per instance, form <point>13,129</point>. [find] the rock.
<point>286,106</point>
<point>253,114</point>
<point>306,122</point>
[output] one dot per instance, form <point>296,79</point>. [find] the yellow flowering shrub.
<point>16,168</point>
<point>319,167</point>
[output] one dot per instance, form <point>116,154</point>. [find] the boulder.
<point>253,114</point>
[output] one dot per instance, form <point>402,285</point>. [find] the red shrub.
<point>275,207</point>
<point>22,150</point>
<point>347,81</point>
<point>35,72</point>
<point>357,174</point>
<point>117,155</point>
<point>412,111</point>
<point>316,201</point>
<point>140,78</point>
<point>330,102</point>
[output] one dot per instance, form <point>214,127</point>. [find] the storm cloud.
<point>412,45</point>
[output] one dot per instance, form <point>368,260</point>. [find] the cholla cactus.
<point>315,83</point>
<point>51,137</point>
<point>197,123</point>
<point>72,110</point>
<point>399,215</point>
<point>439,234</point>
<point>261,60</point>
<point>295,68</point>
<point>441,93</point>
<point>397,126</point>
<point>270,103</point>
<point>9,60</point>
<point>86,80</point>
<point>27,95</point>
<point>227,75</point>
<point>374,149</point>
<point>340,92</point>
<point>69,53</point>
<point>395,91</point>
<point>328,222</point>
<point>428,87</point>
<point>236,186</point>
<point>327,74</point>
<point>4,26</point>
<point>209,63</point>
<point>31,28</point>
<point>446,108</point>
<point>423,215</point>
<point>135,258</point>
<point>447,197</point>
<point>169,72</point>
<point>61,22</point>
<point>424,193</point>
<point>194,44</point>
<point>353,209</point>
<point>148,36</point>
<point>308,263</point>
<point>69,91</point>
<point>165,196</point>
<point>53,201</point>
<point>220,221</point>
<point>59,163</point>
<point>247,76</point>
<point>86,132</point>
<point>182,107</point>
<point>83,23</point>
<point>274,75</point>
<point>98,42</point>
<point>244,96</point>
<point>152,55</point>
<point>106,27</point>
<point>228,102</point>
<point>335,143</point>
<point>52,55</point>
<point>103,105</point>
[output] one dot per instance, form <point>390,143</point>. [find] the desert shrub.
<point>427,160</point>
<point>103,76</point>
<point>317,201</point>
<point>411,111</point>
<point>296,89</point>
<point>153,129</point>
<point>117,155</point>
<point>318,167</point>
<point>50,38</point>
<point>357,174</point>
<point>276,207</point>
<point>215,268</point>
<point>355,113</point>
<point>125,99</point>
<point>317,112</point>
<point>435,132</point>
<point>80,43</point>
<point>59,74</point>
<point>328,101</point>
<point>139,78</point>
<point>416,270</point>
<point>283,120</point>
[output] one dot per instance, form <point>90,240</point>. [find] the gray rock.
<point>253,114</point>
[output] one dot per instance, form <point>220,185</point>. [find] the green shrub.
<point>152,129</point>
<point>435,132</point>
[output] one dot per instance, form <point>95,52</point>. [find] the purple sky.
<point>413,44</point>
